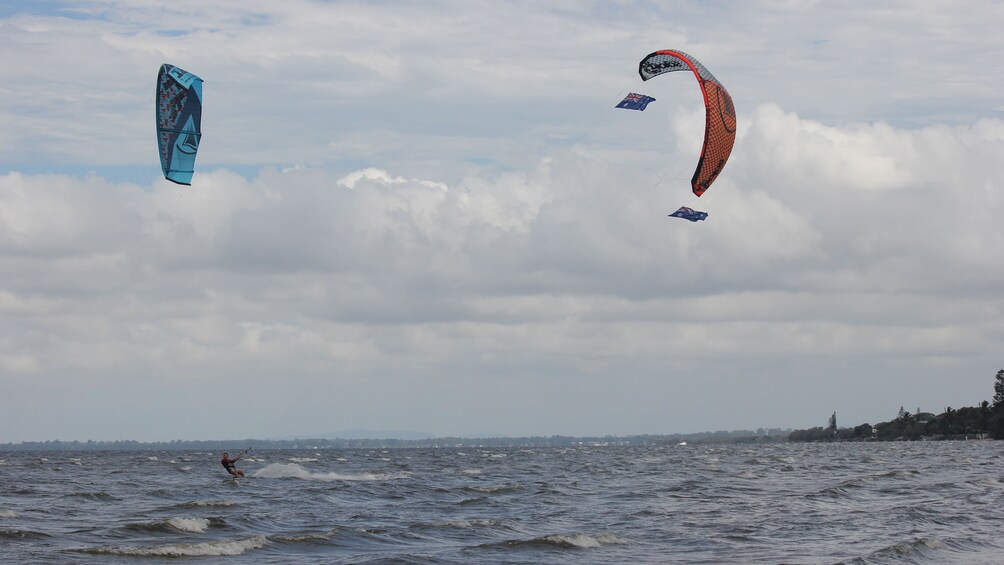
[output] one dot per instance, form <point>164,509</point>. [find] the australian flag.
<point>635,101</point>
<point>689,214</point>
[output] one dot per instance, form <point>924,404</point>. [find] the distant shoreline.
<point>710,438</point>
<point>720,437</point>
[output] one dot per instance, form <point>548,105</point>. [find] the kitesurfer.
<point>230,465</point>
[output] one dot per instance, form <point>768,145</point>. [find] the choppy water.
<point>937,502</point>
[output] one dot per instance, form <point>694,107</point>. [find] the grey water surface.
<point>904,502</point>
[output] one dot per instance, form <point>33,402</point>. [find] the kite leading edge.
<point>720,113</point>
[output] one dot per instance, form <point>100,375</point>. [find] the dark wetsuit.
<point>229,465</point>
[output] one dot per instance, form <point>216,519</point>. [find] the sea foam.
<point>294,471</point>
<point>206,504</point>
<point>207,549</point>
<point>583,540</point>
<point>195,525</point>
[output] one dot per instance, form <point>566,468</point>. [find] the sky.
<point>430,217</point>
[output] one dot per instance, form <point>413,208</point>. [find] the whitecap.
<point>4,513</point>
<point>321,536</point>
<point>207,549</point>
<point>194,525</point>
<point>585,540</point>
<point>294,471</point>
<point>303,459</point>
<point>207,504</point>
<point>471,471</point>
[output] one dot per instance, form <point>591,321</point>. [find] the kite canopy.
<point>689,214</point>
<point>179,122</point>
<point>720,128</point>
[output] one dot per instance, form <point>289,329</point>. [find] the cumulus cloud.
<point>376,273</point>
<point>464,235</point>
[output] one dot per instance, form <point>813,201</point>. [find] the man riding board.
<point>230,464</point>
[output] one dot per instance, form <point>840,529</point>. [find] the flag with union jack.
<point>689,214</point>
<point>635,101</point>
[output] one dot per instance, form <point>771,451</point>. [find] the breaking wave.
<point>21,534</point>
<point>571,541</point>
<point>206,504</point>
<point>294,471</point>
<point>187,525</point>
<point>207,549</point>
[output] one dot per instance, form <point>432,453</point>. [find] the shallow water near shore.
<point>906,502</point>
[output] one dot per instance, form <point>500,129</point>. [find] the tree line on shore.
<point>985,420</point>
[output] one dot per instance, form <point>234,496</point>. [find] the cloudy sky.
<point>429,216</point>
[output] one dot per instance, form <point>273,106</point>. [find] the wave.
<point>584,540</point>
<point>494,489</point>
<point>306,538</point>
<point>206,504</point>
<point>4,513</point>
<point>187,525</point>
<point>897,474</point>
<point>845,488</point>
<point>984,481</point>
<point>926,549</point>
<point>570,541</point>
<point>294,471</point>
<point>21,534</point>
<point>911,549</point>
<point>99,495</point>
<point>207,549</point>
<point>462,524</point>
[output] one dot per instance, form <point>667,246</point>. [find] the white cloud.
<point>429,226</point>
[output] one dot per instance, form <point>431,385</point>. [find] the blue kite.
<point>689,214</point>
<point>179,122</point>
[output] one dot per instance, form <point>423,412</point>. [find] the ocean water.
<point>922,502</point>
